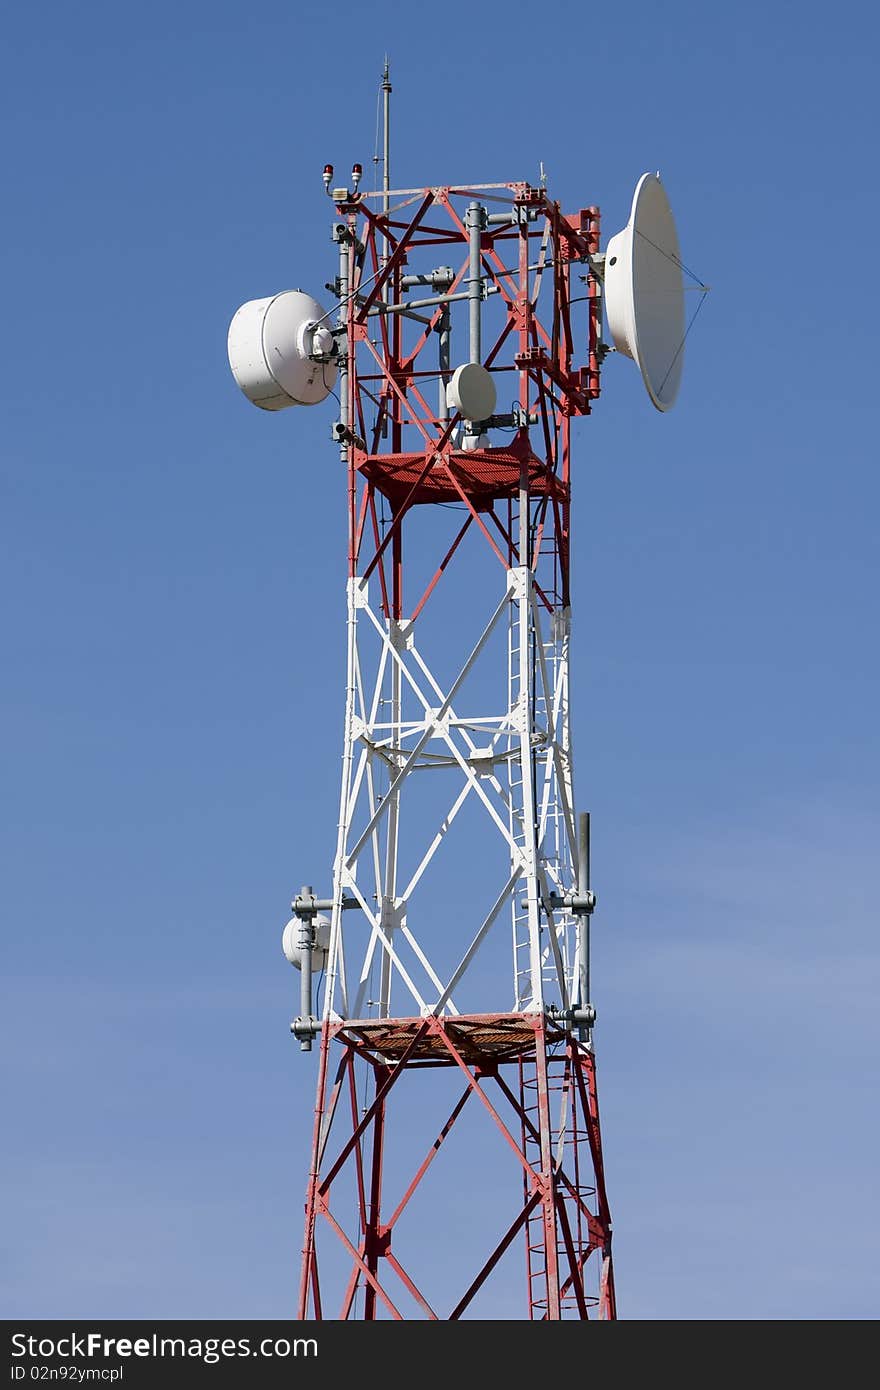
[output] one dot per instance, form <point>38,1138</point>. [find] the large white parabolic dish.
<point>644,294</point>
<point>280,351</point>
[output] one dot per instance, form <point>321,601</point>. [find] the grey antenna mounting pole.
<point>305,943</point>
<point>344,241</point>
<point>583,937</point>
<point>476,215</point>
<point>445,360</point>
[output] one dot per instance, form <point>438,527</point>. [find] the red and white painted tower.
<point>468,340</point>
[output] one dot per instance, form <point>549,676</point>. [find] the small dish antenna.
<point>471,392</point>
<point>282,352</point>
<point>320,950</point>
<point>644,293</point>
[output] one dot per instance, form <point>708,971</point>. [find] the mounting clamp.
<point>579,1017</point>
<point>304,1029</point>
<point>575,902</point>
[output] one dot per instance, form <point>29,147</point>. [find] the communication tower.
<point>471,326</point>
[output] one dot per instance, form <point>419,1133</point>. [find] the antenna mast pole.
<point>386,136</point>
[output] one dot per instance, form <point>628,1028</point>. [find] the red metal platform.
<point>484,474</point>
<point>479,1039</point>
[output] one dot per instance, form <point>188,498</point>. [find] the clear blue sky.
<point>168,554</point>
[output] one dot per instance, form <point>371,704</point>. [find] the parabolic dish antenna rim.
<point>644,292</point>
<point>269,351</point>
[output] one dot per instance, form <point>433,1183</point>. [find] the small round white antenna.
<point>644,294</point>
<point>471,391</point>
<point>282,351</point>
<point>292,949</point>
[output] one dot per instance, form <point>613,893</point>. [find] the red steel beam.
<point>429,1159</point>
<point>493,1259</point>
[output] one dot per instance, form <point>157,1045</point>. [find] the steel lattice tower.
<point>455,989</point>
<point>457,726</point>
<point>392,1008</point>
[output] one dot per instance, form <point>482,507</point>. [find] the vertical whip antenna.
<point>386,134</point>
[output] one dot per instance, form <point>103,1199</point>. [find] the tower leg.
<point>373,1243</point>
<point>309,1278</point>
<point>548,1176</point>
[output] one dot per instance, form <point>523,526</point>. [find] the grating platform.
<point>476,1037</point>
<point>484,474</point>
